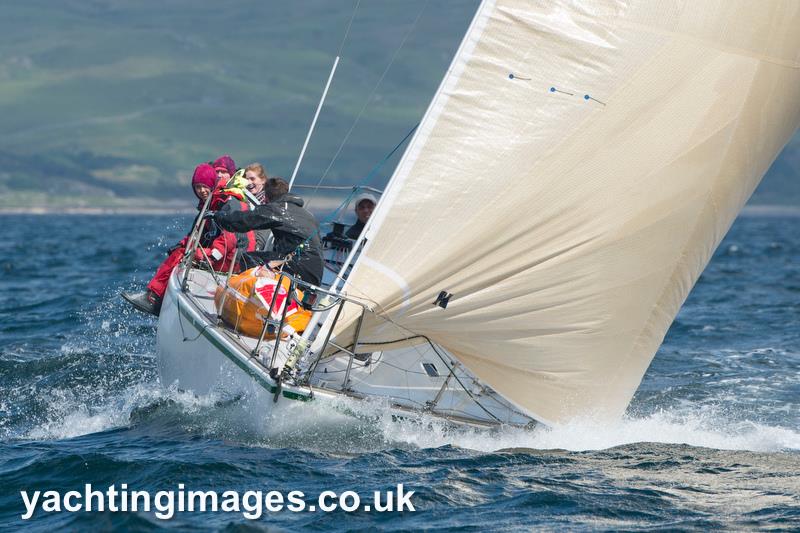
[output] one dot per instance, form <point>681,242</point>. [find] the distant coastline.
<point>319,206</point>
<point>771,211</point>
<point>749,210</point>
<point>131,210</point>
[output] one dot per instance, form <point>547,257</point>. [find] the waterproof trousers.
<point>160,280</point>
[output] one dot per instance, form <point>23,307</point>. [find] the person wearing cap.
<point>216,246</point>
<point>204,181</point>
<point>364,205</point>
<point>224,168</point>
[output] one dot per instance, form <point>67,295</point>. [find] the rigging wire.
<point>347,31</point>
<point>370,175</point>
<point>335,214</point>
<point>322,99</point>
<point>301,247</point>
<point>455,375</point>
<point>368,99</point>
<point>447,365</point>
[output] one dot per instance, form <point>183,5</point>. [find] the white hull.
<point>197,355</point>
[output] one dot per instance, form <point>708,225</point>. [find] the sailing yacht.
<point>570,180</point>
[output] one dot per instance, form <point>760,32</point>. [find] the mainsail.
<point>568,184</point>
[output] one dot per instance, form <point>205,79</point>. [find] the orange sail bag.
<point>245,303</point>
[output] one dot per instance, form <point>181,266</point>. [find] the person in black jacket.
<point>364,205</point>
<point>295,231</point>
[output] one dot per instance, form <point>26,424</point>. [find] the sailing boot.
<point>145,301</point>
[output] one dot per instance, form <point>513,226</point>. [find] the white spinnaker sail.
<point>568,184</point>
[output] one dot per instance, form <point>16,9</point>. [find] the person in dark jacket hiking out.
<point>294,229</point>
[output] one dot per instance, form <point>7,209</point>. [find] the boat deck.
<point>417,379</point>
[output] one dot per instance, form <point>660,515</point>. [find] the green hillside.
<point>111,102</point>
<point>106,100</point>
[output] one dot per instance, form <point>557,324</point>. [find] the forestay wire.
<point>335,213</point>
<point>368,99</point>
<point>347,31</point>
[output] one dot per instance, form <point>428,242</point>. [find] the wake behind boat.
<point>564,191</point>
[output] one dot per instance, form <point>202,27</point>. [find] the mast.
<point>314,121</point>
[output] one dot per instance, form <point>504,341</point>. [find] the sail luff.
<point>406,161</point>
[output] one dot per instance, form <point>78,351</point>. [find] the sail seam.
<point>788,63</point>
<point>648,323</point>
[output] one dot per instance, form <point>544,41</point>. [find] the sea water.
<point>711,439</point>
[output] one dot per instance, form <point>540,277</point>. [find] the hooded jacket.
<point>220,246</point>
<point>291,226</point>
<point>225,243</point>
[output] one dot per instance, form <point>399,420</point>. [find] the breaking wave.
<point>351,426</point>
<point>105,379</point>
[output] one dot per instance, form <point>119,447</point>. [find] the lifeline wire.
<point>385,315</point>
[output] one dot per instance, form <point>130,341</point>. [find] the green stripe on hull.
<point>230,355</point>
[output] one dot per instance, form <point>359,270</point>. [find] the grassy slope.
<point>111,99</point>
<point>107,100</point>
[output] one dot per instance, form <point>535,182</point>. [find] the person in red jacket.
<point>223,244</point>
<point>216,247</point>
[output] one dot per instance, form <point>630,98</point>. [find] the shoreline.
<point>317,205</point>
<point>132,210</point>
<point>770,211</point>
<point>748,210</point>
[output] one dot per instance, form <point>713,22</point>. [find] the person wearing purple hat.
<point>204,182</point>
<point>225,168</point>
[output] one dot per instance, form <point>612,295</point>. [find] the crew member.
<point>365,204</point>
<point>295,231</point>
<point>225,168</point>
<point>217,247</point>
<point>257,178</point>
